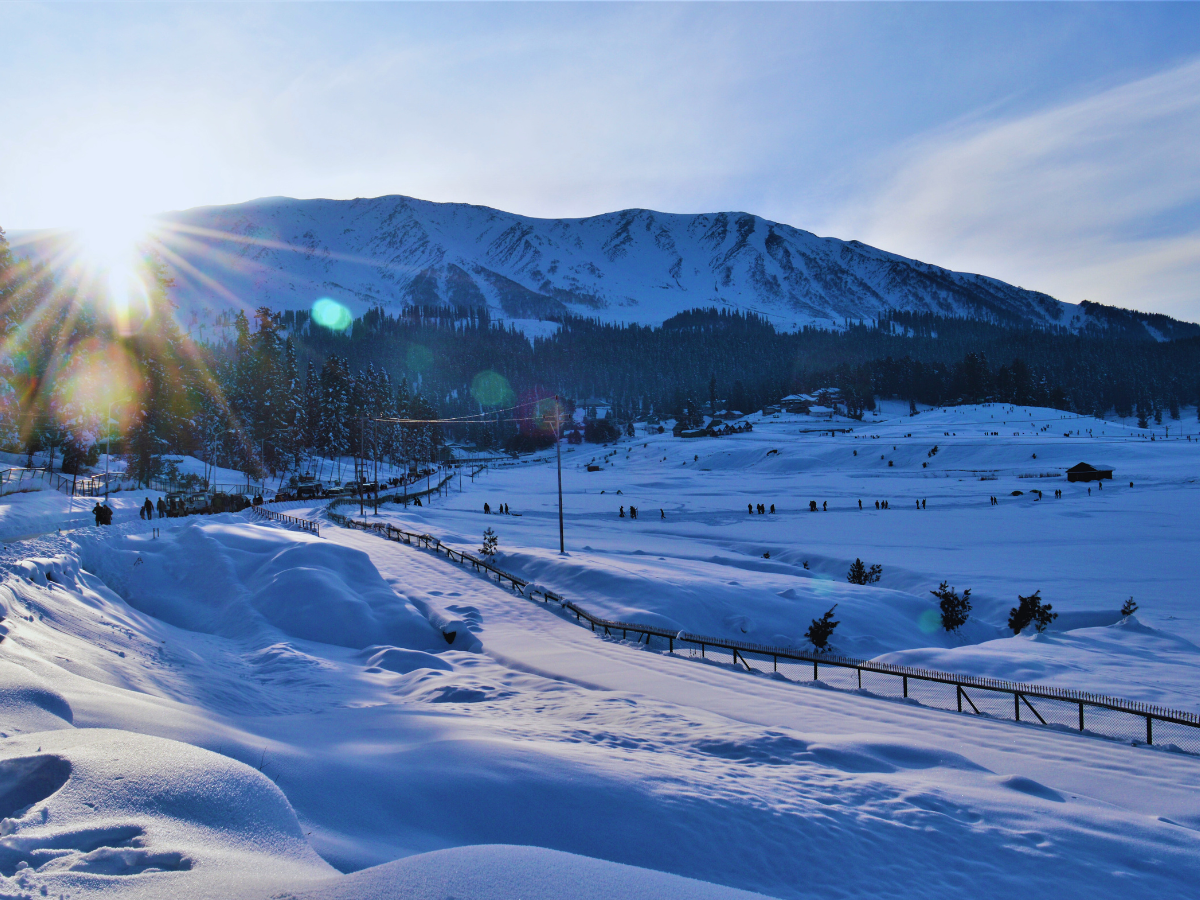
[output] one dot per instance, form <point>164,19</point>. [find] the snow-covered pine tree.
<point>292,438</point>
<point>313,400</point>
<point>490,540</point>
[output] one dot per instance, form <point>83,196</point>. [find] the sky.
<point>1053,146</point>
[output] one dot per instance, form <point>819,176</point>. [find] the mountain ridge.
<point>628,266</point>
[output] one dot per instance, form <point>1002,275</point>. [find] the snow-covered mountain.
<point>635,265</point>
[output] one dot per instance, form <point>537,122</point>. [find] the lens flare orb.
<point>328,313</point>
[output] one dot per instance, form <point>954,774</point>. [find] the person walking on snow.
<point>487,510</point>
<point>622,515</point>
<point>162,507</point>
<point>662,514</point>
<point>98,512</point>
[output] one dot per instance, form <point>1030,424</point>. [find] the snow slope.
<point>531,758</point>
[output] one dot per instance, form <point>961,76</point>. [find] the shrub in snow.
<point>1031,610</point>
<point>955,609</point>
<point>821,629</point>
<point>489,543</point>
<point>1129,607</point>
<point>860,574</point>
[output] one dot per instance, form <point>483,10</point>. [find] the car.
<point>310,490</point>
<point>197,503</point>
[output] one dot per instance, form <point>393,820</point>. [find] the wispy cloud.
<point>1095,199</point>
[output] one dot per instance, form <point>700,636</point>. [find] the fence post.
<point>905,677</point>
<point>1149,730</point>
<point>1081,715</point>
<point>857,669</point>
<point>814,670</point>
<point>1017,705</point>
<point>958,694</point>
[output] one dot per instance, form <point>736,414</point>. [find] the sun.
<point>110,241</point>
<point>107,249</point>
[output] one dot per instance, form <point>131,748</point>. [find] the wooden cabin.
<point>1085,472</point>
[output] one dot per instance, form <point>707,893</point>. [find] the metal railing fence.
<point>1045,705</point>
<point>309,525</point>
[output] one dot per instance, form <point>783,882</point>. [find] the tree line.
<point>266,393</point>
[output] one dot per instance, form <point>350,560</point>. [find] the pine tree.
<point>313,401</point>
<point>1129,607</point>
<point>860,574</point>
<point>1031,609</point>
<point>291,437</point>
<point>489,543</point>
<point>955,609</point>
<point>821,630</point>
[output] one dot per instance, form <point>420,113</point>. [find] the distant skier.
<point>877,504</point>
<point>662,514</point>
<point>487,510</point>
<point>750,508</point>
<point>622,515</point>
<point>825,506</point>
<point>922,503</point>
<point>860,504</point>
<point>772,509</point>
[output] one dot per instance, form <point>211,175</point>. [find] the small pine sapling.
<point>955,609</point>
<point>489,543</point>
<point>1031,610</point>
<point>821,629</point>
<point>860,574</point>
<point>1129,607</point>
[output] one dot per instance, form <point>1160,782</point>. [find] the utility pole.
<point>362,439</point>
<point>558,457</point>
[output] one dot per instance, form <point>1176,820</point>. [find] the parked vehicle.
<point>310,490</point>
<point>197,503</point>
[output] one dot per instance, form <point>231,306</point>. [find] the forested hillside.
<point>266,392</point>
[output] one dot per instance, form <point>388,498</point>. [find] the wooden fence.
<point>1060,708</point>
<point>292,521</point>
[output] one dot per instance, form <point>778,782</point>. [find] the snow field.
<point>620,771</point>
<point>702,568</point>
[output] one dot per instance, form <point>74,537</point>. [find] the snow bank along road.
<point>238,710</point>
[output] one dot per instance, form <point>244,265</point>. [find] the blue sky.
<point>1050,145</point>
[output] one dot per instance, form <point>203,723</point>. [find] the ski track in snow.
<point>187,717</point>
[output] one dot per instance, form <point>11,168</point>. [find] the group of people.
<point>103,513</point>
<point>147,509</point>
<point>502,509</point>
<point>761,508</point>
<point>632,513</point>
